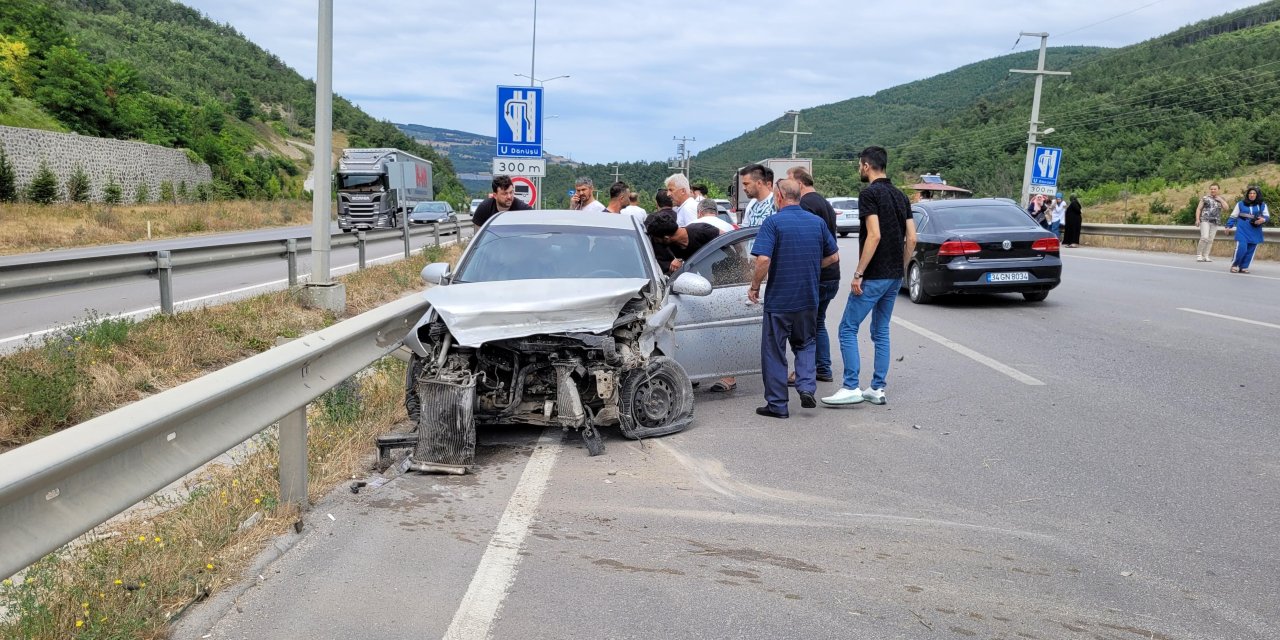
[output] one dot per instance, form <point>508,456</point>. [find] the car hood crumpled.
<point>480,312</point>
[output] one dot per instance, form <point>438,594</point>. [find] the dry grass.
<point>26,228</point>
<point>128,578</point>
<point>1232,189</point>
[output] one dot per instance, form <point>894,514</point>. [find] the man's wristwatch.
<point>857,276</point>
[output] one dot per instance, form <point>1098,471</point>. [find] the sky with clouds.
<point>644,71</point>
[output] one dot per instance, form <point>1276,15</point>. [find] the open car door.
<point>719,335</point>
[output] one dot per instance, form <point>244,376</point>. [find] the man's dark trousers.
<point>799,329</point>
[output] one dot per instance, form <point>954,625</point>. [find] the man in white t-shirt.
<point>1059,214</point>
<point>699,192</point>
<point>757,181</point>
<point>686,207</point>
<point>634,208</point>
<point>584,196</point>
<point>708,213</point>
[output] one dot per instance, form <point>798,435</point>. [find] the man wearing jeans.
<point>886,239</point>
<point>1208,216</point>
<point>829,280</point>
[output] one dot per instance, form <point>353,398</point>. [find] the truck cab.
<point>378,187</point>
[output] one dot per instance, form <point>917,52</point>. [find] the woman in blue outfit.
<point>1247,220</point>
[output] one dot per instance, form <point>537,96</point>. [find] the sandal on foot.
<point>1235,269</point>
<point>1244,271</point>
<point>721,387</point>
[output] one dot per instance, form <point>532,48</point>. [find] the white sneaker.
<point>1208,259</point>
<point>844,396</point>
<point>874,396</point>
<point>1200,259</point>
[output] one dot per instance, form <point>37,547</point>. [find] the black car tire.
<point>844,234</point>
<point>1035,296</point>
<point>656,400</point>
<point>915,285</point>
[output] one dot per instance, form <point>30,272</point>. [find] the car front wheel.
<point>656,400</point>
<point>915,285</point>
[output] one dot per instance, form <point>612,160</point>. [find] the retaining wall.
<point>102,159</point>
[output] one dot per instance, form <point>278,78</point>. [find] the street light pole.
<point>1032,142</point>
<point>533,51</point>
<point>795,131</point>
<point>324,293</point>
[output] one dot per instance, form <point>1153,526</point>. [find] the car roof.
<point>952,205</point>
<point>567,218</point>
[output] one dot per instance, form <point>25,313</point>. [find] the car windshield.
<point>531,252</point>
<point>980,217</point>
<point>359,181</point>
<point>434,207</point>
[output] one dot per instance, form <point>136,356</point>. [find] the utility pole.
<point>617,175</point>
<point>682,154</point>
<point>795,131</point>
<point>1032,131</point>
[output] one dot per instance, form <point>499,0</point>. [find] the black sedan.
<point>982,245</point>
<point>432,211</point>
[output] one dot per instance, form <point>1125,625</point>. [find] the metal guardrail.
<point>79,273</point>
<point>62,486</point>
<point>1168,232</point>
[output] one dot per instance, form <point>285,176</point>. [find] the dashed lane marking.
<point>1226,317</point>
<point>970,353</point>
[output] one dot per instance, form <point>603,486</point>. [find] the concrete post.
<point>164,272</point>
<point>435,231</point>
<point>291,256</point>
<point>360,248</point>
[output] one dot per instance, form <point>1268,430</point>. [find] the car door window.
<point>728,266</point>
<point>922,220</point>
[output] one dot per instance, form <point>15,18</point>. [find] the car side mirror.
<point>436,273</point>
<point>691,284</point>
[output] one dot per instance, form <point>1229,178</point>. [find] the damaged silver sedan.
<point>563,318</point>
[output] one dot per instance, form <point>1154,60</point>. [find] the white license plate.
<point>1009,276</point>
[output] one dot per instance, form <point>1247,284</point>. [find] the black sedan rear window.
<point>979,217</point>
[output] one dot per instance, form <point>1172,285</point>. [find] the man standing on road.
<point>687,207</point>
<point>886,239</point>
<point>633,207</point>
<point>1208,217</point>
<point>708,213</point>
<point>792,247</point>
<point>502,199</point>
<point>584,196</point>
<point>757,181</point>
<point>619,197</point>
<point>829,280</point>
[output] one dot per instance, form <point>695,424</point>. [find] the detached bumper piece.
<point>446,427</point>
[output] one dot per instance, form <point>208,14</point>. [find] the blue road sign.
<point>1046,166</point>
<point>570,194</point>
<point>520,122</point>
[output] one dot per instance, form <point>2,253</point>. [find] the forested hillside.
<point>1195,104</point>
<point>160,72</point>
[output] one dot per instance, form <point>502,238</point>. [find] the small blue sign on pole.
<point>520,122</point>
<point>1046,166</point>
<point>570,194</point>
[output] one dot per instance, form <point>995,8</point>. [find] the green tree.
<point>71,90</point>
<point>183,193</point>
<point>142,194</point>
<point>8,181</point>
<point>166,191</point>
<point>243,106</point>
<point>44,187</point>
<point>112,193</point>
<point>78,186</point>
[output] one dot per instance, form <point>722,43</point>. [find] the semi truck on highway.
<point>378,187</point>
<point>738,198</point>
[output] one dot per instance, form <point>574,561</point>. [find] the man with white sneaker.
<point>886,239</point>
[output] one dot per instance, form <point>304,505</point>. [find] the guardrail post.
<point>293,457</point>
<point>360,247</point>
<point>291,255</point>
<point>435,231</point>
<point>164,271</point>
<point>406,234</point>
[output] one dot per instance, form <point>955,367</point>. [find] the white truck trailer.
<point>377,188</point>
<point>739,197</point>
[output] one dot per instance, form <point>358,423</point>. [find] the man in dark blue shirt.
<point>792,247</point>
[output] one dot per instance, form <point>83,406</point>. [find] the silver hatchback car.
<point>563,318</point>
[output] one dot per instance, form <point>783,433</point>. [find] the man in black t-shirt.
<point>682,242</point>
<point>502,199</point>
<point>829,279</point>
<point>886,239</point>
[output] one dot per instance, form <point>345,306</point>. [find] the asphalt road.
<point>1100,465</point>
<point>31,317</point>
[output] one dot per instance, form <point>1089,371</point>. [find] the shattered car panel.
<point>482,312</point>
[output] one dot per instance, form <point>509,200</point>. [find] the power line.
<point>1119,15</point>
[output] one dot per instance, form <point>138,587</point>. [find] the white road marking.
<point>970,353</point>
<point>183,304</point>
<point>497,571</point>
<point>1225,317</point>
<point>1209,270</point>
